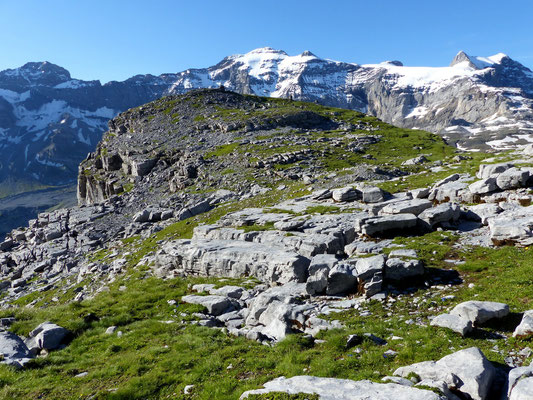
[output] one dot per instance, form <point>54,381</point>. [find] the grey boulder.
<point>14,350</point>
<point>520,383</point>
<point>446,212</point>
<point>397,269</point>
<point>47,336</point>
<point>342,279</point>
<point>480,312</point>
<point>512,178</point>
<point>216,305</point>
<point>319,268</point>
<point>456,323</point>
<point>467,371</point>
<point>345,194</point>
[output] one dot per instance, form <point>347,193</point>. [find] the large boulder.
<point>342,389</point>
<point>483,186</point>
<point>512,178</point>
<point>443,213</point>
<point>371,194</point>
<point>46,336</point>
<point>486,170</point>
<point>467,372</point>
<point>512,228</point>
<point>345,194</point>
<point>480,312</point>
<point>342,279</point>
<point>369,273</point>
<point>398,269</point>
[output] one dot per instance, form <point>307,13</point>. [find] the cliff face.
<point>50,121</point>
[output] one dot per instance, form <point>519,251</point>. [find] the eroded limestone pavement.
<point>315,255</point>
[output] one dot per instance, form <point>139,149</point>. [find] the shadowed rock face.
<point>49,121</point>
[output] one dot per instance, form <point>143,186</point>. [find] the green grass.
<point>323,210</point>
<point>222,150</point>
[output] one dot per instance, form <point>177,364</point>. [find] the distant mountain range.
<point>50,121</point>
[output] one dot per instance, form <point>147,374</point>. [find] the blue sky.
<point>115,39</point>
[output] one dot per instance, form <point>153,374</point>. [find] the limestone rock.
<point>319,268</point>
<point>46,336</point>
<point>520,383</point>
<point>342,279</point>
<point>414,206</point>
<point>371,194</point>
<point>474,372</point>
<point>447,212</point>
<point>216,305</point>
<point>343,389</point>
<point>486,170</point>
<point>369,273</point>
<point>377,226</point>
<point>345,194</point>
<point>456,323</point>
<point>479,312</point>
<point>397,269</point>
<point>229,258</point>
<point>525,329</point>
<point>483,186</point>
<point>512,178</point>
<point>14,350</point>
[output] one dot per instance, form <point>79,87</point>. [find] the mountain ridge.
<point>50,121</point>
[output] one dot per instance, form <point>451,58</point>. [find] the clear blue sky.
<point>115,39</point>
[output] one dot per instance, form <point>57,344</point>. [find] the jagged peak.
<point>476,62</point>
<point>307,53</point>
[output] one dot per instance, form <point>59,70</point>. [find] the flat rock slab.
<point>231,258</point>
<point>512,228</point>
<point>480,312</point>
<point>216,305</point>
<point>343,389</point>
<point>414,206</point>
<point>381,225</point>
<point>456,323</point>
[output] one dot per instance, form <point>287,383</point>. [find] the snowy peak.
<point>266,50</point>
<point>35,74</point>
<point>307,53</point>
<point>478,63</point>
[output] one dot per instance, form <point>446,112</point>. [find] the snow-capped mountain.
<point>50,121</point>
